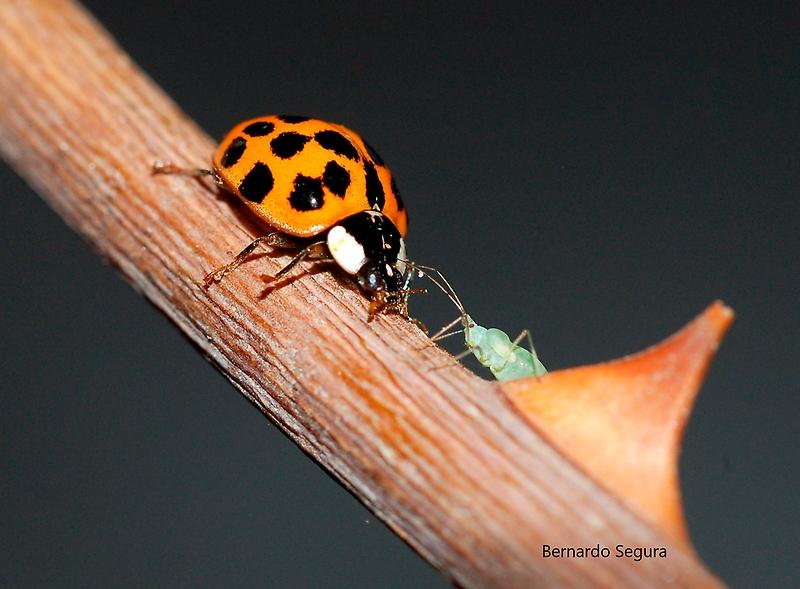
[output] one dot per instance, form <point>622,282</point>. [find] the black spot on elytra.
<point>288,144</point>
<point>375,196</point>
<point>257,184</point>
<point>336,178</point>
<point>338,144</point>
<point>234,152</point>
<point>374,154</point>
<point>307,194</point>
<point>396,192</point>
<point>292,118</point>
<point>259,128</point>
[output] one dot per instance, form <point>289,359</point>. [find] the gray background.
<point>597,175</point>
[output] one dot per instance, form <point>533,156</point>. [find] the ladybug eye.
<point>370,279</point>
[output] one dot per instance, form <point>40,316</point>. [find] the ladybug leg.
<point>402,308</point>
<point>416,322</point>
<point>274,239</point>
<point>386,303</point>
<point>316,251</point>
<point>162,167</point>
<point>377,305</point>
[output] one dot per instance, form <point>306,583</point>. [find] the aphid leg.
<point>438,279</point>
<point>534,356</point>
<point>525,333</point>
<point>315,251</point>
<point>432,341</point>
<point>274,239</point>
<point>445,332</point>
<point>162,167</point>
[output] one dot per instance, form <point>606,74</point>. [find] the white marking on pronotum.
<point>346,251</point>
<point>401,257</point>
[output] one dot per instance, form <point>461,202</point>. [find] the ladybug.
<point>326,192</point>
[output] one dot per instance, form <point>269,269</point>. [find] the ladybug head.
<point>376,276</point>
<point>368,246</point>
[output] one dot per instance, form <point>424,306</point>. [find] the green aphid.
<point>491,346</point>
<point>494,349</point>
